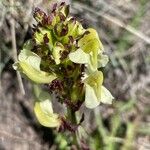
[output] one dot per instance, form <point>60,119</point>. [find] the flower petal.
<point>106,96</point>
<point>95,80</point>
<point>44,113</point>
<point>91,100</point>
<point>29,64</point>
<point>36,75</point>
<point>58,48</point>
<point>93,85</point>
<point>31,58</point>
<point>102,60</point>
<point>90,42</point>
<point>79,56</point>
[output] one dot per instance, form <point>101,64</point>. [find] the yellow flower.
<point>44,113</point>
<point>29,64</point>
<point>95,92</point>
<point>90,51</point>
<point>43,109</point>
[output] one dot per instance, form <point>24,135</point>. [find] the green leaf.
<point>79,56</point>
<point>28,45</point>
<point>36,90</point>
<point>39,94</point>
<point>44,113</point>
<point>43,95</point>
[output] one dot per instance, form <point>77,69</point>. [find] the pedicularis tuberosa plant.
<point>67,58</point>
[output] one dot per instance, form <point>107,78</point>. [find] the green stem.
<point>72,118</point>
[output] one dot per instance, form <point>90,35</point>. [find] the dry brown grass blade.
<point>14,48</point>
<point>115,21</point>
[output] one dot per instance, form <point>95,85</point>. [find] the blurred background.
<point>124,29</point>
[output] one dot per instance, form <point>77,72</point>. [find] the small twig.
<point>115,21</point>
<point>127,27</point>
<point>14,48</point>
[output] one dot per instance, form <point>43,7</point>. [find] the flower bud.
<point>39,15</point>
<point>60,30</point>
